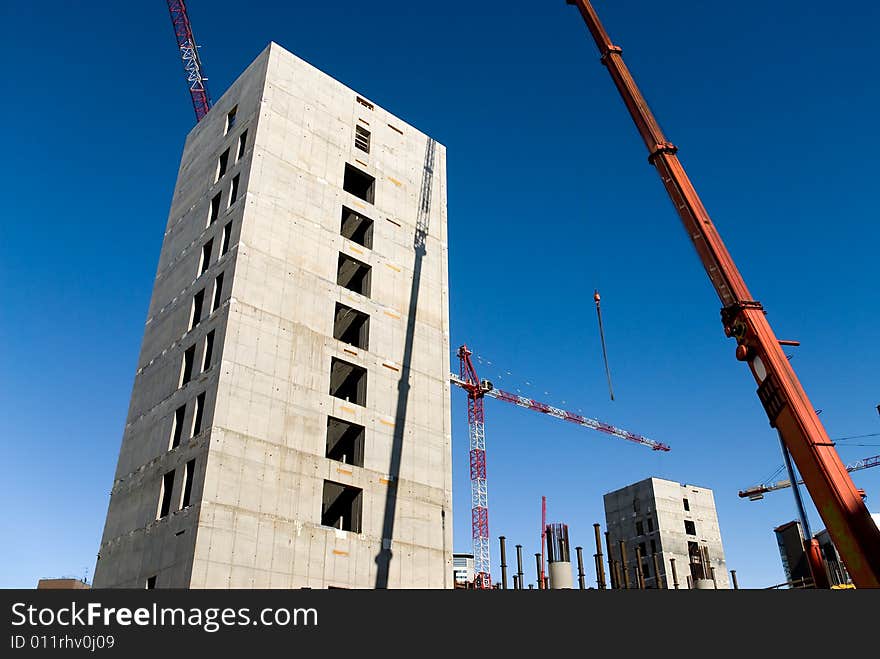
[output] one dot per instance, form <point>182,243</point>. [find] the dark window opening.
<point>354,275</point>
<point>230,118</point>
<point>215,208</point>
<point>687,506</point>
<point>362,138</point>
<point>189,474</point>
<point>359,183</point>
<point>642,549</point>
<point>351,326</point>
<point>198,302</point>
<point>165,494</point>
<point>348,382</point>
<point>357,228</point>
<point>206,256</point>
<point>227,236</point>
<point>365,103</point>
<point>689,527</point>
<point>222,164</point>
<point>345,442</point>
<point>189,356</point>
<point>698,557</point>
<point>650,525</point>
<point>198,414</point>
<point>636,505</point>
<point>640,528</point>
<point>242,143</point>
<point>653,547</point>
<point>209,351</point>
<point>341,507</point>
<point>233,195</point>
<point>151,583</point>
<point>177,426</point>
<point>218,292</point>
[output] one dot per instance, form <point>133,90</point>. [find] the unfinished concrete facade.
<point>289,423</point>
<point>662,521</point>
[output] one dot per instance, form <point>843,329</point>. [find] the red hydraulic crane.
<point>476,389</point>
<point>758,491</point>
<point>844,513</point>
<point>189,53</point>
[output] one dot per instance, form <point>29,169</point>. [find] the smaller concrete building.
<point>62,583</point>
<point>463,570</point>
<point>664,534</point>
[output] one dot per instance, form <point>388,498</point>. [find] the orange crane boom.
<point>844,513</point>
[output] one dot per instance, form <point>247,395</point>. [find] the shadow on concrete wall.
<point>383,558</point>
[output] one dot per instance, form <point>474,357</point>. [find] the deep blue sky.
<point>774,108</point>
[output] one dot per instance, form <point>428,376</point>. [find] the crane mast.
<point>789,410</point>
<point>479,489</point>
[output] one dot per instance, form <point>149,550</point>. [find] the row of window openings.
<point>199,302</point>
<point>177,421</point>
<point>189,357</point>
<point>223,160</point>
<point>217,200</point>
<point>342,505</point>
<point>166,489</point>
<point>208,248</point>
<point>637,505</point>
<point>689,527</point>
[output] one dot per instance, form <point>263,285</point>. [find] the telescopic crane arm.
<point>844,513</point>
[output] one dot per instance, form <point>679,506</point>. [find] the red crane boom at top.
<point>189,53</point>
<point>838,501</point>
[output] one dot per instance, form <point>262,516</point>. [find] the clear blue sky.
<point>774,108</point>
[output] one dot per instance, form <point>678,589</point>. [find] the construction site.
<point>299,408</point>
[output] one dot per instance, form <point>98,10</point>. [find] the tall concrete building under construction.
<point>289,423</point>
<point>673,528</point>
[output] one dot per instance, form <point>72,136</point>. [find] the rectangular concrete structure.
<point>289,423</point>
<point>672,521</point>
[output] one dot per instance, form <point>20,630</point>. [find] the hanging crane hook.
<point>602,337</point>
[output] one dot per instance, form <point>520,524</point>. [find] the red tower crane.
<point>189,53</point>
<point>836,497</point>
<point>476,389</point>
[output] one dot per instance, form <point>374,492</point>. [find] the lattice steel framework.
<point>476,390</point>
<point>189,53</point>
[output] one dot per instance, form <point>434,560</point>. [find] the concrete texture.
<point>261,482</point>
<point>651,515</point>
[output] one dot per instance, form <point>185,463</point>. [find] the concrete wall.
<point>256,517</point>
<point>135,544</point>
<point>628,511</point>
